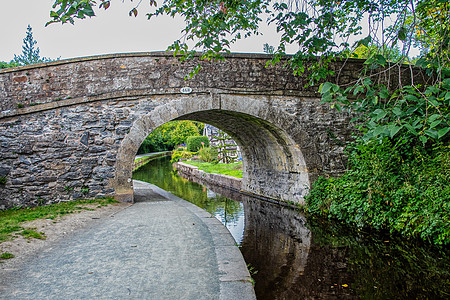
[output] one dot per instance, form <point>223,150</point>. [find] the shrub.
<point>180,155</point>
<point>402,189</point>
<point>208,154</point>
<point>194,143</point>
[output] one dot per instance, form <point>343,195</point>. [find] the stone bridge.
<point>70,129</point>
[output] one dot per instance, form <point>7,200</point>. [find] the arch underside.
<point>274,165</point>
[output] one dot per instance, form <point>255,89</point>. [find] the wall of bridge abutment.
<point>71,129</point>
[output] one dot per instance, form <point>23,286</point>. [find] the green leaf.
<point>365,41</point>
<point>423,139</point>
<point>379,59</point>
<point>325,87</point>
<point>397,111</point>
<point>383,93</point>
<point>380,114</point>
<point>337,106</point>
<point>432,118</point>
<point>410,128</point>
<point>393,130</point>
<point>358,89</point>
<point>446,83</point>
<point>443,132</point>
<point>435,123</point>
<point>380,130</point>
<point>411,98</point>
<point>447,96</point>
<point>431,133</point>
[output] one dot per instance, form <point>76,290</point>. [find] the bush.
<point>208,154</point>
<point>400,188</point>
<point>194,143</point>
<point>180,155</point>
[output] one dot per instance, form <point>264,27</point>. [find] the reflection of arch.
<point>274,165</point>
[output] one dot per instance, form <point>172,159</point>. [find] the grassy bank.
<point>11,220</point>
<point>233,169</point>
<point>139,162</point>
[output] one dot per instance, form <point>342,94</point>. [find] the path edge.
<point>235,279</point>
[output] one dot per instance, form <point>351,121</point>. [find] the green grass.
<point>150,156</point>
<point>6,255</point>
<point>12,219</point>
<point>30,233</point>
<point>234,169</point>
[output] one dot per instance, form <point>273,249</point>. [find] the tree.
<point>169,135</point>
<point>30,53</point>
<point>268,48</point>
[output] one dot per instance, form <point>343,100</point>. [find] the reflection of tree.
<point>388,267</point>
<point>228,210</point>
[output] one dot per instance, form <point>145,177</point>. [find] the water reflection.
<point>296,259</point>
<point>229,212</point>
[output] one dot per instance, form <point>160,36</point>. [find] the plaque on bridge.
<point>186,90</point>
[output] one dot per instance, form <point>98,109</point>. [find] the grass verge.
<point>234,169</point>
<point>11,220</point>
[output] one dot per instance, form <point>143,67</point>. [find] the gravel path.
<point>160,248</point>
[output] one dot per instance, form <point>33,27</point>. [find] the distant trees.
<point>5,65</point>
<point>170,135</point>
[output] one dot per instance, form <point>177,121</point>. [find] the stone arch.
<point>270,139</point>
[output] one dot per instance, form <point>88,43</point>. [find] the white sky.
<point>111,31</point>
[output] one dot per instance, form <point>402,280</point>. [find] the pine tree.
<point>30,54</point>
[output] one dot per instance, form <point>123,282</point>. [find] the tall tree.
<point>30,53</point>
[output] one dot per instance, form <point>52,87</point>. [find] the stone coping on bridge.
<point>145,54</point>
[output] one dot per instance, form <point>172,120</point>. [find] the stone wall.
<point>192,173</point>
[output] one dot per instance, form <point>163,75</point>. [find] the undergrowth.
<point>398,187</point>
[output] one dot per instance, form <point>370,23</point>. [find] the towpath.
<point>162,247</point>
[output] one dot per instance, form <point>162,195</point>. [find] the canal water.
<point>292,257</point>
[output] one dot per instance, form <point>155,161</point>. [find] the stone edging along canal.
<point>213,180</point>
<point>192,173</point>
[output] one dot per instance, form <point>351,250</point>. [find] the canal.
<point>294,257</point>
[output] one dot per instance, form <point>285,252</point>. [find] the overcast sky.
<point>111,31</point>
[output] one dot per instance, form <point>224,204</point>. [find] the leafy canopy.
<point>169,135</point>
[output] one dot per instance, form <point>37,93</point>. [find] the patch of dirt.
<point>53,229</point>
